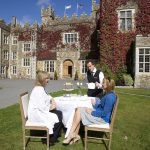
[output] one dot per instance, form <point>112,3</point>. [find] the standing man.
<point>95,79</point>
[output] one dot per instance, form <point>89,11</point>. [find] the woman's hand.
<point>93,101</point>
<point>88,110</point>
<point>52,104</point>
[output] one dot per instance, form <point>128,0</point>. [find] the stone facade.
<point>4,48</point>
<point>60,45</point>
<point>142,62</point>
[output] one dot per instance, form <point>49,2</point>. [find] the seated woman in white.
<point>99,114</point>
<point>41,108</point>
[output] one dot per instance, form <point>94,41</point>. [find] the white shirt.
<point>101,77</point>
<point>39,106</point>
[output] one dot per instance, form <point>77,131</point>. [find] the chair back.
<point>24,101</point>
<point>113,114</point>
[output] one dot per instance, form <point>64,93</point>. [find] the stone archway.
<point>67,69</point>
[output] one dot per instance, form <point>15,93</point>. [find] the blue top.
<point>103,108</point>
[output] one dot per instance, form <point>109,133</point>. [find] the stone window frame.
<point>126,18</point>
<point>5,39</point>
<point>26,47</point>
<point>83,66</point>
<point>5,54</point>
<point>67,39</point>
<point>14,40</point>
<point>28,71</point>
<point>49,65</point>
<point>26,62</point>
<point>2,69</point>
<point>14,55</point>
<point>142,63</point>
<point>14,69</point>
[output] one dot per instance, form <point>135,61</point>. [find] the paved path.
<point>12,88</point>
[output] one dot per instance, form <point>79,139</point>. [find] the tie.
<point>92,73</point>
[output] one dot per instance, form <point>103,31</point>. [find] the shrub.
<point>76,76</point>
<point>106,70</point>
<point>128,79</point>
<point>55,75</point>
<point>119,75</point>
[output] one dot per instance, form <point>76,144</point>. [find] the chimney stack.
<point>14,21</point>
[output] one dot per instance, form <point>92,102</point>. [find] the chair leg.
<point>110,141</point>
<point>47,140</point>
<point>24,141</point>
<point>85,140</point>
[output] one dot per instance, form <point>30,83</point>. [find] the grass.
<point>131,129</point>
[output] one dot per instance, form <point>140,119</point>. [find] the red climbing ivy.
<point>117,48</point>
<point>52,40</point>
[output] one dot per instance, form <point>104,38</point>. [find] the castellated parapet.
<point>49,19</point>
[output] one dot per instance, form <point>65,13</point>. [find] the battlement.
<point>48,17</point>
<point>49,11</point>
<point>73,19</point>
<point>65,20</point>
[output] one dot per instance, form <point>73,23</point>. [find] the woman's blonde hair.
<point>110,84</point>
<point>40,78</point>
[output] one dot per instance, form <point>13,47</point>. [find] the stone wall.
<point>4,30</point>
<point>142,79</point>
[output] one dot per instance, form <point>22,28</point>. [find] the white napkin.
<point>91,85</point>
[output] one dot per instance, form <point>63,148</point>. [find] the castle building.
<point>4,48</point>
<point>59,45</point>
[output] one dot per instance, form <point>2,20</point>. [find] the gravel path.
<point>10,89</point>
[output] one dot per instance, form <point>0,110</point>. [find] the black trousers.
<point>57,127</point>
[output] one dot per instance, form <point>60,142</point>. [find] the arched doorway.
<point>67,68</point>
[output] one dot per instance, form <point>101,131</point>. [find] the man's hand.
<point>97,84</point>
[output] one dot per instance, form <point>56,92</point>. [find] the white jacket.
<point>39,106</point>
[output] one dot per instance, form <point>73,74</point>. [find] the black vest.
<point>92,78</point>
<point>94,92</point>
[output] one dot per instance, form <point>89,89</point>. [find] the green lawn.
<point>131,129</point>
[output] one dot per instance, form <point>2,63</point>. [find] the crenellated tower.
<point>47,15</point>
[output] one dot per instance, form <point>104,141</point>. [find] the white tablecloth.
<point>68,104</point>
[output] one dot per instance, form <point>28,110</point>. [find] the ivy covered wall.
<point>116,47</point>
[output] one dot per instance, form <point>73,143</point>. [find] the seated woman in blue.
<point>100,113</point>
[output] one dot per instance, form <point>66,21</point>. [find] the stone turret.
<point>93,4</point>
<point>47,15</point>
<point>95,8</point>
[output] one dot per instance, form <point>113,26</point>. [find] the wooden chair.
<point>106,129</point>
<point>28,126</point>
